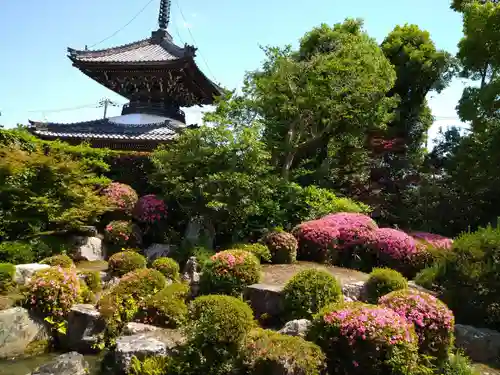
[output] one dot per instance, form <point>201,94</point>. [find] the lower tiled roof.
<point>107,129</point>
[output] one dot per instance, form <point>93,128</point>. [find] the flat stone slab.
<point>24,272</point>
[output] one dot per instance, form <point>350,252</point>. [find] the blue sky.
<point>37,80</point>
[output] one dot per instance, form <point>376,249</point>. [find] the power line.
<point>124,26</point>
<point>194,41</point>
<point>93,105</point>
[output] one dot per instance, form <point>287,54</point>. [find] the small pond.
<point>26,366</point>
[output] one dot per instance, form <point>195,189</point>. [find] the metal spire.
<point>164,15</point>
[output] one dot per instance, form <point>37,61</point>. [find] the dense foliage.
<point>228,272</point>
<point>308,292</point>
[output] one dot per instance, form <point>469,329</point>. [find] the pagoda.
<point>155,75</point>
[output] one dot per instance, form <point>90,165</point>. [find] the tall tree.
<point>460,5</point>
<point>321,95</point>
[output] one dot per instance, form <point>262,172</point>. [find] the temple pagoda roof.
<point>131,127</point>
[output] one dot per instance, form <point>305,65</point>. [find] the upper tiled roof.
<point>158,48</point>
<point>109,129</point>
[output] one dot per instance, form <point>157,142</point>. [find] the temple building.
<point>155,75</point>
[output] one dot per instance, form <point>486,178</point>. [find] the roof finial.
<point>164,16</point>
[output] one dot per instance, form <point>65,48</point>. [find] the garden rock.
<point>157,250</point>
<point>162,342</point>
<point>353,291</point>
<point>265,299</point>
<point>133,328</point>
<point>298,327</point>
<point>84,326</point>
<point>24,272</point>
<point>480,344</point>
<point>67,364</point>
<point>17,330</point>
<point>88,248</point>
<point>192,276</point>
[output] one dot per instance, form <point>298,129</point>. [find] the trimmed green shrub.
<point>229,272</point>
<point>168,267</point>
<point>217,319</point>
<point>53,291</point>
<point>7,273</point>
<point>259,250</point>
<point>366,339</point>
<point>469,278</point>
<point>282,246</point>
<point>167,308</point>
<point>125,261</point>
<point>264,351</point>
<point>383,281</point>
<point>59,260</point>
<point>434,322</point>
<point>309,291</point>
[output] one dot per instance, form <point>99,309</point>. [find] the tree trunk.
<point>285,169</point>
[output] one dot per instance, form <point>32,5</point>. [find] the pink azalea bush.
<point>229,271</point>
<point>350,220</point>
<point>150,209</point>
<point>435,240</point>
<point>316,240</point>
<point>121,233</point>
<point>365,339</point>
<point>53,291</point>
<point>433,320</point>
<point>120,196</point>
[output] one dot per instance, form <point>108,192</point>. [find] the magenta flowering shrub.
<point>364,339</point>
<point>433,320</point>
<point>435,240</point>
<point>229,272</point>
<point>150,209</point>
<point>120,196</point>
<point>350,220</point>
<point>122,233</point>
<point>53,291</point>
<point>316,240</point>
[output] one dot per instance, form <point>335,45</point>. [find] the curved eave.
<point>119,65</point>
<point>205,83</point>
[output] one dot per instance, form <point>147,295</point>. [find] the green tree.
<point>323,97</point>
<point>461,5</point>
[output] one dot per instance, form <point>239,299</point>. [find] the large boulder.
<point>157,250</point>
<point>265,300</point>
<point>480,344</point>
<point>88,248</point>
<point>84,326</point>
<point>24,272</point>
<point>161,342</point>
<point>67,364</point>
<point>19,329</point>
<point>354,290</point>
<point>298,327</point>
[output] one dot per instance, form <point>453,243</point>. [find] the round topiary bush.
<point>120,196</point>
<point>316,240</point>
<point>259,250</point>
<point>218,319</point>
<point>53,291</point>
<point>7,273</point>
<point>150,209</point>
<point>167,308</point>
<point>229,272</point>
<point>309,291</point>
<point>125,261</point>
<point>265,351</point>
<point>365,339</point>
<point>122,233</point>
<point>58,260</point>
<point>396,249</point>
<point>381,282</point>
<point>282,246</point>
<point>168,267</point>
<point>433,320</point>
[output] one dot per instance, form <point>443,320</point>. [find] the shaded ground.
<point>486,370</point>
<point>280,273</point>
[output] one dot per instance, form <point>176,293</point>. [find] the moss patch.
<point>37,347</point>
